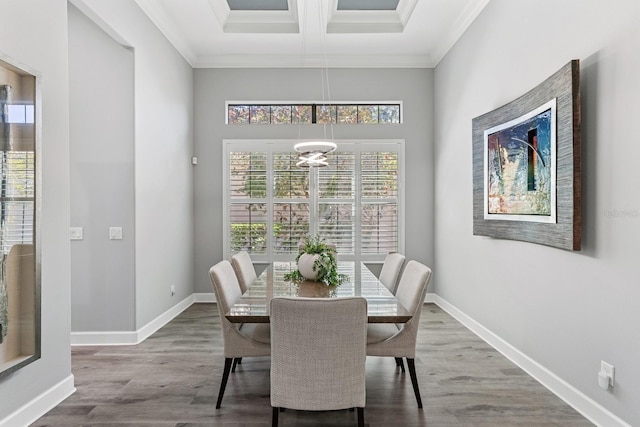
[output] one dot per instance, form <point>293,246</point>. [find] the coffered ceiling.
<point>312,33</point>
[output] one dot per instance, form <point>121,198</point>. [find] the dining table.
<point>253,305</point>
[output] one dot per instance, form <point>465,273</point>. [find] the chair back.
<point>393,263</point>
<point>411,292</point>
<point>318,353</point>
<point>227,291</point>
<point>246,272</point>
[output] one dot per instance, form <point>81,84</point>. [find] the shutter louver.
<point>336,199</point>
<point>272,205</point>
<point>291,203</point>
<point>17,196</point>
<point>379,202</point>
<point>248,209</point>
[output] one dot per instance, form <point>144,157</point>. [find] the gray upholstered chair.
<point>318,354</point>
<point>386,339</point>
<point>246,272</point>
<point>246,340</point>
<point>391,268</point>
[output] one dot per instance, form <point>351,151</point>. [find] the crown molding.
<point>317,61</point>
<point>461,25</point>
<point>165,24</point>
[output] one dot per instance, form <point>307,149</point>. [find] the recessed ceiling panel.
<point>258,4</point>
<point>368,4</point>
<point>312,33</point>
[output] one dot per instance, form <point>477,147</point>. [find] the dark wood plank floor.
<point>172,379</point>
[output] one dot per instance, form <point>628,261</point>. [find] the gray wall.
<point>34,34</point>
<point>162,208</point>
<point>567,311</point>
<point>101,111</point>
<point>212,87</point>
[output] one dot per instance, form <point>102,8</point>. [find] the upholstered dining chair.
<point>318,354</point>
<point>390,272</point>
<point>388,339</point>
<point>246,272</point>
<point>246,340</point>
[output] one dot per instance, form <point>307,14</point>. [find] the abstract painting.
<point>520,162</point>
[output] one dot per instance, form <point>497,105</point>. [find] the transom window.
<point>342,113</point>
<point>355,203</point>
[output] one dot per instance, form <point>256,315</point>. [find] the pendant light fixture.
<point>314,153</point>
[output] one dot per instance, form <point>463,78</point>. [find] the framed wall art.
<point>527,165</point>
<point>19,213</point>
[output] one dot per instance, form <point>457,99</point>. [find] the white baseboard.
<point>42,404</point>
<point>586,406</point>
<point>130,337</point>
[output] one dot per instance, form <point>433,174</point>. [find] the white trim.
<point>256,21</point>
<point>314,61</point>
<point>131,337</point>
<point>101,23</point>
<point>370,21</point>
<point>586,406</point>
<point>464,21</point>
<point>40,405</point>
<point>582,403</point>
<point>158,15</point>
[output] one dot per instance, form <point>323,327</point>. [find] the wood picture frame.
<point>527,165</point>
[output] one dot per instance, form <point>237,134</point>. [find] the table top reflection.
<point>253,306</point>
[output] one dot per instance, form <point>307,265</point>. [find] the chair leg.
<point>225,377</point>
<point>414,380</point>
<point>235,362</point>
<point>360,417</point>
<point>400,363</point>
<point>274,417</point>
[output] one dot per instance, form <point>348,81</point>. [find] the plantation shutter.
<point>17,198</point>
<point>248,202</point>
<point>336,201</point>
<point>272,205</point>
<point>379,202</point>
<point>290,203</point>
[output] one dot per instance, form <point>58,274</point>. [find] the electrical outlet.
<point>608,370</point>
<point>173,290</point>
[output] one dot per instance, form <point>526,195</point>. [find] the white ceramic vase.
<point>305,266</point>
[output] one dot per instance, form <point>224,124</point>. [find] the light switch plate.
<point>115,233</point>
<point>75,233</point>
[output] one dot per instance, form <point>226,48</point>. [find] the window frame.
<point>361,103</point>
<point>271,146</point>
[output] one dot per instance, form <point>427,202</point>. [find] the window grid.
<point>313,113</point>
<point>360,218</point>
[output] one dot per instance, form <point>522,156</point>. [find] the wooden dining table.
<point>382,305</point>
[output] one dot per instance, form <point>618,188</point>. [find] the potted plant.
<point>317,262</point>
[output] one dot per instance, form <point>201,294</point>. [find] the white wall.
<point>101,110</point>
<point>565,310</point>
<point>163,146</point>
<point>34,33</point>
<point>212,87</point>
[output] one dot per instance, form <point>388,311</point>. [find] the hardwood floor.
<point>172,379</point>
